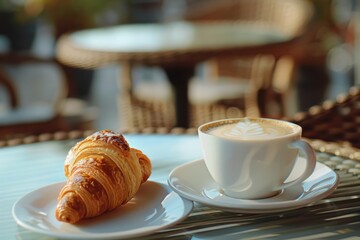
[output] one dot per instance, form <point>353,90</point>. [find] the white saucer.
<point>154,207</point>
<point>193,181</point>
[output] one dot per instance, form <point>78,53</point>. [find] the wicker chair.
<point>289,16</point>
<point>33,100</point>
<point>141,106</point>
<point>249,85</point>
<point>272,75</point>
<point>334,121</point>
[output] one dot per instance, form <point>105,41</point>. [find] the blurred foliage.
<point>325,31</point>
<point>72,15</point>
<point>23,10</point>
<point>68,15</point>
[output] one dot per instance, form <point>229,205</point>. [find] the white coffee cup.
<point>252,162</point>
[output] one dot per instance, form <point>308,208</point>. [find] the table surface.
<point>144,42</point>
<point>177,36</point>
<point>27,167</point>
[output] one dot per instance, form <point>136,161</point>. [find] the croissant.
<point>102,173</point>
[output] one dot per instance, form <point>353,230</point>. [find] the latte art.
<point>245,129</point>
<point>248,130</point>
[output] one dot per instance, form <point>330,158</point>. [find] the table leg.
<point>179,78</point>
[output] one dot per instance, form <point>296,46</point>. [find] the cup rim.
<point>297,129</point>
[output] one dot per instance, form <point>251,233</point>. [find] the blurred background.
<point>40,94</point>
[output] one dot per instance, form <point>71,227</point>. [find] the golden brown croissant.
<point>102,173</point>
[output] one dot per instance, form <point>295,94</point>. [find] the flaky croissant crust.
<point>102,173</point>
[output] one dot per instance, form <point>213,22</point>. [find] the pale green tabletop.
<point>27,167</point>
<point>179,36</point>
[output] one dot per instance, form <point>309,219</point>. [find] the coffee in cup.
<point>250,129</point>
<point>251,158</point>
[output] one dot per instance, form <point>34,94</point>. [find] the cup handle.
<point>310,159</point>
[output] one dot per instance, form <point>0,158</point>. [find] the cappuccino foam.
<point>249,129</point>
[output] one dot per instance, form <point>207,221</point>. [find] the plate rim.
<point>246,207</point>
<point>188,208</point>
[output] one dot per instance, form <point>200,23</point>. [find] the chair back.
<point>334,121</point>
<point>33,90</point>
<point>290,16</point>
<point>270,76</point>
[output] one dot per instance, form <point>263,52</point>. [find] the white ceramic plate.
<point>154,207</point>
<point>193,181</point>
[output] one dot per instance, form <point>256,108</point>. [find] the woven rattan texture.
<point>335,121</point>
<point>136,113</point>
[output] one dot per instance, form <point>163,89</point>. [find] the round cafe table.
<point>175,47</point>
